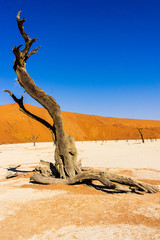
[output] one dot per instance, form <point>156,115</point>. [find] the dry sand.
<point>32,212</point>
<point>15,126</point>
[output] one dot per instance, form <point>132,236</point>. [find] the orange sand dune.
<point>15,126</point>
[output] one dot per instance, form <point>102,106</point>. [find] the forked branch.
<point>22,56</point>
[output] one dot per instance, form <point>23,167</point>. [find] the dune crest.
<point>16,127</point>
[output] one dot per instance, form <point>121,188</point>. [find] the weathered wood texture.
<point>65,153</point>
<point>45,173</point>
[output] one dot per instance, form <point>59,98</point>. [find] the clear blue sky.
<point>98,57</point>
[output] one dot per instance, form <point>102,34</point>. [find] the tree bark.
<point>65,152</point>
<point>45,173</point>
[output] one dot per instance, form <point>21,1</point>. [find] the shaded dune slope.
<point>16,127</point>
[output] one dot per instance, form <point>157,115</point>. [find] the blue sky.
<point>98,57</point>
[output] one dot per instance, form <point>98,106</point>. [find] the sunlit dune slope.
<point>16,127</point>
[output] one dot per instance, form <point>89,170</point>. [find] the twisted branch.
<point>31,115</point>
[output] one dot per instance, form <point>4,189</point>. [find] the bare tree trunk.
<point>65,153</point>
<point>141,134</point>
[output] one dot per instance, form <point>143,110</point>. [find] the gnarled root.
<point>107,181</point>
<point>83,177</point>
<point>134,184</point>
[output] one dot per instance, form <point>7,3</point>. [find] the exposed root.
<point>107,180</point>
<point>134,184</point>
<point>38,178</point>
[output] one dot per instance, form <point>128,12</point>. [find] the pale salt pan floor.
<point>111,232</point>
<point>111,154</point>
<point>142,159</point>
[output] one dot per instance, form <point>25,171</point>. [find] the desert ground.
<point>45,212</point>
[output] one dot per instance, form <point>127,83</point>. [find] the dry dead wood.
<point>43,174</point>
<point>65,152</point>
<point>141,134</point>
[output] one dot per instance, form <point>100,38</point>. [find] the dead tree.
<point>141,134</point>
<point>33,139</point>
<point>66,169</point>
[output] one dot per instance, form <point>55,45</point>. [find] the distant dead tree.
<point>33,139</point>
<point>141,134</point>
<point>66,169</point>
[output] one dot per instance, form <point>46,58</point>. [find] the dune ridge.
<point>16,127</point>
